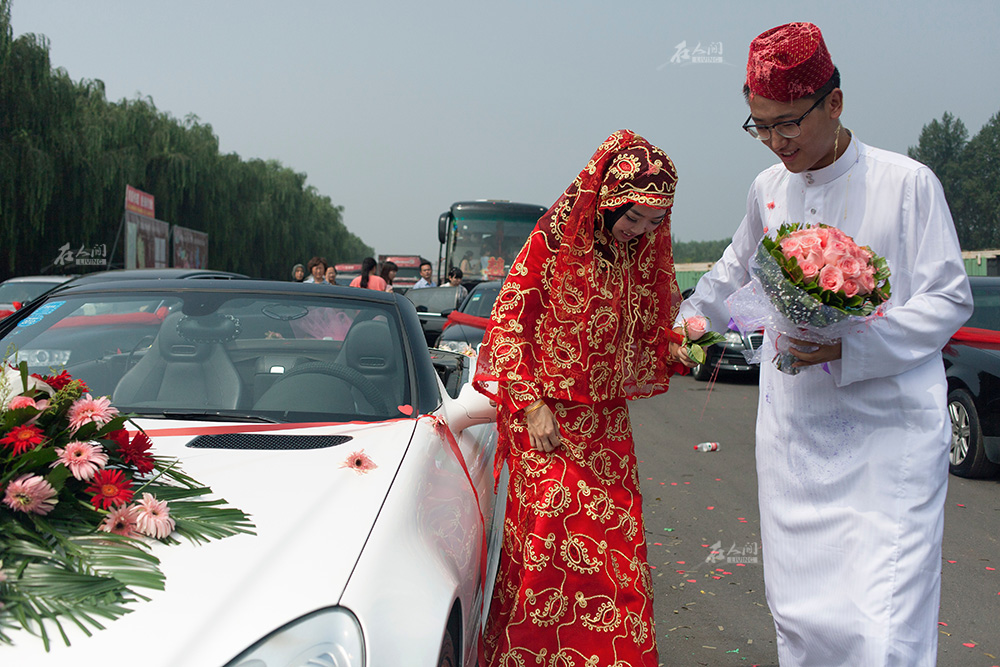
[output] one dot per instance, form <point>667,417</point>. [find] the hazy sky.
<point>397,109</point>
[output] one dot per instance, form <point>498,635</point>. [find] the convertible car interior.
<point>258,356</point>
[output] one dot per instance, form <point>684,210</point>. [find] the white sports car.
<point>363,460</point>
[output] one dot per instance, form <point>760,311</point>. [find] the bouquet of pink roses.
<point>79,498</point>
<point>812,283</point>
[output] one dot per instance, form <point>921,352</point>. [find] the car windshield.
<point>207,354</point>
<point>480,301</point>
<point>23,291</point>
<point>986,304</point>
<point>434,299</point>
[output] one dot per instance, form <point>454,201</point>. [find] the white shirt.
<point>423,282</point>
<point>852,463</point>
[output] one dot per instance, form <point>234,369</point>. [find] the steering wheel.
<point>148,340</point>
<point>356,379</point>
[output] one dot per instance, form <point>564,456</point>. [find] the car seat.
<point>187,367</point>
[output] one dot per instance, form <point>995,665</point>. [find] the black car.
<point>972,364</point>
<point>464,334</point>
<point>433,305</point>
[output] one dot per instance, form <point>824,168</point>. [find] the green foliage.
<point>66,155</point>
<point>690,252</point>
<point>969,171</point>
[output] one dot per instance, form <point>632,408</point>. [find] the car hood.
<point>312,511</point>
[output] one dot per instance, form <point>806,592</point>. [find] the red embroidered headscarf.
<point>582,317</point>
<point>788,62</point>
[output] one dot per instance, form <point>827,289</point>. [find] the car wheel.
<point>702,372</point>
<point>449,655</point>
<point>968,456</point>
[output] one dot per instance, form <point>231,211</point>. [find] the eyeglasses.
<point>789,129</point>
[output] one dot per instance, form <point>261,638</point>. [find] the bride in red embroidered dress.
<point>582,323</point>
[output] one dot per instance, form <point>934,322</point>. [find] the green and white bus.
<point>483,237</point>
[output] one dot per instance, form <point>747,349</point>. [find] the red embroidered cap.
<point>788,62</point>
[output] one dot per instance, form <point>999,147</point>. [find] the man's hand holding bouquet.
<point>810,283</point>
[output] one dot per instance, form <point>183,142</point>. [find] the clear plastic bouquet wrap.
<point>812,283</point>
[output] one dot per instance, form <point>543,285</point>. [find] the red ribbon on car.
<point>456,317</point>
<point>985,339</point>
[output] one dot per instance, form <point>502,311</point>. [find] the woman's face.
<point>300,273</point>
<point>331,274</point>
<point>317,272</point>
<point>638,220</point>
<point>454,281</point>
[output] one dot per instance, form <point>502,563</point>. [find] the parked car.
<point>433,305</point>
<point>364,463</point>
<point>465,327</point>
<point>727,357</point>
<point>16,292</point>
<point>972,365</point>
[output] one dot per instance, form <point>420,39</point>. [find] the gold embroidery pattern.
<point>562,597</point>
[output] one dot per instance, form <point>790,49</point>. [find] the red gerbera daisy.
<point>57,382</point>
<point>110,488</point>
<point>136,453</point>
<point>22,438</point>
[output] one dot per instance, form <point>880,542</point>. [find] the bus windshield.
<point>483,241</point>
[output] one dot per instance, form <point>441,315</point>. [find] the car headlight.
<point>733,337</point>
<point>328,637</point>
<point>459,346</point>
<point>46,358</point>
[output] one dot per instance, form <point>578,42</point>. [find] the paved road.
<point>710,608</point>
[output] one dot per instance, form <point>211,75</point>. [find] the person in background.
<point>388,273</point>
<point>852,452</point>
<point>455,280</point>
<point>368,278</point>
<point>466,264</point>
<point>317,271</point>
<point>298,273</point>
<point>425,276</point>
<point>579,328</point>
<point>331,275</point>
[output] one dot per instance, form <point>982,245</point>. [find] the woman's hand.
<point>677,352</point>
<point>543,429</point>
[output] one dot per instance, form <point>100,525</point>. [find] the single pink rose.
<point>695,327</point>
<point>824,235</point>
<point>863,254</point>
<point>850,287</point>
<point>850,266</point>
<point>19,402</point>
<point>809,239</point>
<point>834,251</point>
<point>831,278</point>
<point>809,269</point>
<point>867,281</point>
<point>790,246</point>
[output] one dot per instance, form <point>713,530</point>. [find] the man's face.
<point>814,147</point>
<point>425,272</point>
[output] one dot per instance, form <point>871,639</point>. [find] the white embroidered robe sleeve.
<point>852,463</point>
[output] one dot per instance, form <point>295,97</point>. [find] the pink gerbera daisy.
<point>30,494</point>
<point>86,410</point>
<point>121,521</point>
<point>360,462</point>
<point>152,517</point>
<point>82,458</point>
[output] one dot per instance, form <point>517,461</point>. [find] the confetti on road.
<point>710,507</point>
<point>953,561</point>
<point>959,505</point>
<point>991,569</point>
<point>969,644</point>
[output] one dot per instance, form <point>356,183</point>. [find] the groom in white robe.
<point>852,452</point>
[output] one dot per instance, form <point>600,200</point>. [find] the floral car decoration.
<point>81,499</point>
